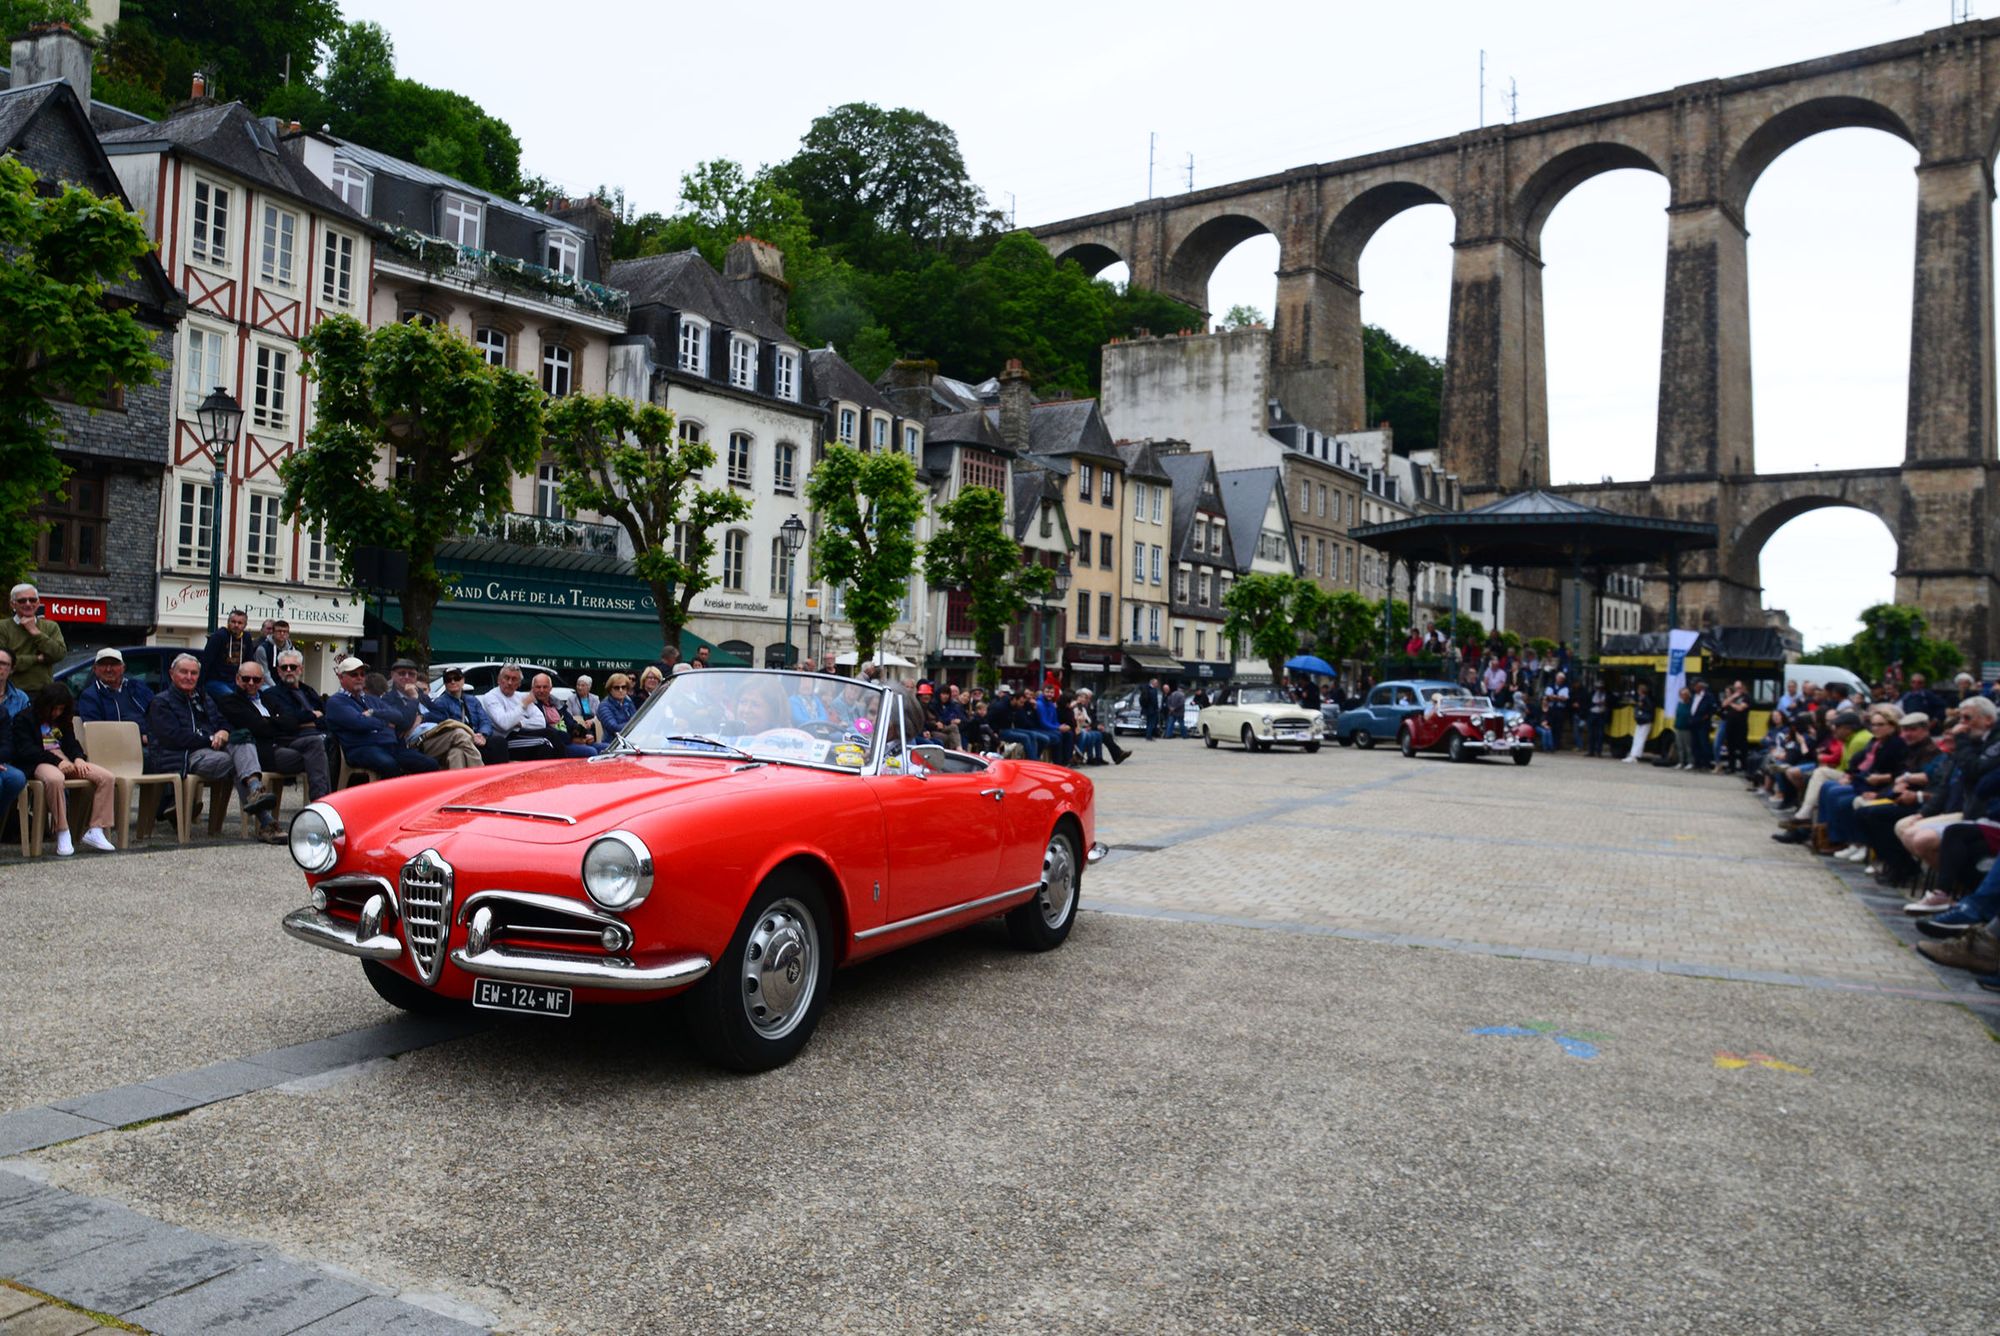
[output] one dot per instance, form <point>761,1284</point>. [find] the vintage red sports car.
<point>1464,727</point>
<point>747,832</point>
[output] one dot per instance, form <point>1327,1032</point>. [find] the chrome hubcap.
<point>780,968</point>
<point>1058,882</point>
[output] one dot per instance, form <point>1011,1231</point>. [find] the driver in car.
<point>759,707</point>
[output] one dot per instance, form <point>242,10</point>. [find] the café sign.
<point>184,603</point>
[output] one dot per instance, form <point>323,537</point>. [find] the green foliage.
<point>418,403</point>
<point>1392,618</point>
<point>867,507</point>
<point>243,46</point>
<point>58,338</point>
<point>1242,317</point>
<point>974,550</point>
<point>1405,389</point>
<point>624,461</point>
<point>1270,614</point>
<point>879,184</point>
<point>1347,627</point>
<point>1834,654</point>
<point>367,101</point>
<point>1892,634</point>
<point>1462,628</point>
<point>1542,645</point>
<point>17,16</point>
<point>1507,640</point>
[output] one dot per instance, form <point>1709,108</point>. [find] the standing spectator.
<point>280,752</point>
<point>110,697</point>
<point>1537,718</point>
<point>1684,731</point>
<point>366,726</point>
<point>1597,716</point>
<point>1149,706</point>
<point>1175,706</point>
<point>1920,699</point>
<point>1556,701</point>
<point>32,641</point>
<point>1642,723</point>
<point>1736,725</point>
<point>701,657</point>
<point>670,655</point>
<point>827,665</point>
<point>188,737</point>
<point>1702,709</point>
<point>272,645</point>
<point>229,645</point>
<point>617,709</point>
<point>62,760</point>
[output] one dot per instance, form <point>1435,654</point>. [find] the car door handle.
<point>995,794</point>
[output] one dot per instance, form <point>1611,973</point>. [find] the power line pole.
<point>1961,11</point>
<point>1152,148</point>
<point>1190,171</point>
<point>1513,100</point>
<point>1482,88</point>
<point>1010,211</point>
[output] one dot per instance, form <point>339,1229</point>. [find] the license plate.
<point>529,998</point>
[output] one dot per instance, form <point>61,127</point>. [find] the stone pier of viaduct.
<point>1940,92</point>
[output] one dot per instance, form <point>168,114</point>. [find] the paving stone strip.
<point>106,1258</point>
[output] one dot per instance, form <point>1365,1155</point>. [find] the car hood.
<point>566,801</point>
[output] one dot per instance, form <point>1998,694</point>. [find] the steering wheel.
<point>781,735</point>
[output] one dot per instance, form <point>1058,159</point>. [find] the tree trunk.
<point>671,617</point>
<point>420,599</point>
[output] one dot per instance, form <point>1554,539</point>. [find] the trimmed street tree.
<point>974,550</point>
<point>867,508</point>
<point>1348,627</point>
<point>1269,613</point>
<point>453,431</point>
<point>57,337</point>
<point>624,461</point>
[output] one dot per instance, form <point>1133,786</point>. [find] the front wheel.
<point>1363,739</point>
<point>1044,922</point>
<point>1208,739</point>
<point>1249,739</point>
<point>759,1004</point>
<point>1311,747</point>
<point>1523,757</point>
<point>1407,738</point>
<point>1456,748</point>
<point>405,994</point>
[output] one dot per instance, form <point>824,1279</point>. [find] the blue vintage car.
<point>1384,709</point>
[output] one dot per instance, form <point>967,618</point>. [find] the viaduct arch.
<point>1939,92</point>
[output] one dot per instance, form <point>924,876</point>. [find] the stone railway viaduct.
<point>1940,92</point>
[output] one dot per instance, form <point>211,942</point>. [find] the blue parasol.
<point>1307,663</point>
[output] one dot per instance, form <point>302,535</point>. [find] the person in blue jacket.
<point>111,697</point>
<point>368,728</point>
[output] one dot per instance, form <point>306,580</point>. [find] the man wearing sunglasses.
<point>281,748</point>
<point>35,642</point>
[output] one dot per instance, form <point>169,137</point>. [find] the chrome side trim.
<point>548,904</point>
<point>497,962</point>
<point>947,912</point>
<point>310,925</point>
<point>521,812</point>
<point>1097,852</point>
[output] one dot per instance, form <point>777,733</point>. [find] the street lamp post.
<point>221,418</point>
<point>793,533</point>
<point>1059,591</point>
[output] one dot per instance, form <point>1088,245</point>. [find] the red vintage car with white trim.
<point>747,832</point>
<point>1465,727</point>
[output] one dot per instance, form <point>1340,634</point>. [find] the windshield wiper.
<point>708,742</point>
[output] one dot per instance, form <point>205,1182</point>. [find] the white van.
<point>1819,674</point>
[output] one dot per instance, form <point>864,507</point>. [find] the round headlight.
<point>315,837</point>
<point>1267,720</point>
<point>618,870</point>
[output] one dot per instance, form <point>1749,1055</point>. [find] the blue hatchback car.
<point>1383,710</point>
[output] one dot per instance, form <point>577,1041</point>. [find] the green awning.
<point>552,639</point>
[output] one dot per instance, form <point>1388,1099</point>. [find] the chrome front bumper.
<point>616,972</point>
<point>1502,744</point>
<point>1097,852</point>
<point>322,929</point>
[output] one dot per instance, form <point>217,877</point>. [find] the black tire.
<point>1044,922</point>
<point>1407,740</point>
<point>1249,739</point>
<point>406,994</point>
<point>1455,748</point>
<point>1363,739</point>
<point>730,1011</point>
<point>1523,757</point>
<point>1311,747</point>
<point>1345,742</point>
<point>1208,739</point>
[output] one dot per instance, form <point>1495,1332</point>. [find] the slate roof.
<point>19,109</point>
<point>1142,462</point>
<point>684,281</point>
<point>1033,485</point>
<point>833,378</point>
<point>1069,427</point>
<point>970,428</point>
<point>1246,499</point>
<point>1538,503</point>
<point>374,160</point>
<point>226,135</point>
<point>102,115</point>
<point>1187,471</point>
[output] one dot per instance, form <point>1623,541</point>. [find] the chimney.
<point>907,387</point>
<point>760,267</point>
<point>52,51</point>
<point>594,218</point>
<point>1015,401</point>
<point>198,90</point>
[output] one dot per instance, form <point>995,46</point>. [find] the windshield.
<point>1263,696</point>
<point>763,714</point>
<point>1461,702</point>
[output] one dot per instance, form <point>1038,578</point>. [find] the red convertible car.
<point>1465,727</point>
<point>746,833</point>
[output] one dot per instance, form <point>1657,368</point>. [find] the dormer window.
<point>786,382</point>
<point>911,440</point>
<point>881,434</point>
<point>461,221</point>
<point>565,255</point>
<point>850,422</point>
<point>351,184</point>
<point>742,362</point>
<point>694,346</point>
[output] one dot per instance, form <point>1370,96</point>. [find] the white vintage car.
<point>1260,717</point>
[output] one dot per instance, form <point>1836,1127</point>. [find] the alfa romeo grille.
<point>426,894</point>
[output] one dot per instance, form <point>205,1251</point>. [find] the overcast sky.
<point>1054,105</point>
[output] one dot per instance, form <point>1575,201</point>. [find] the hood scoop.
<point>521,812</point>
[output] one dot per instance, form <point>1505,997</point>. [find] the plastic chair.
<point>348,772</point>
<point>33,809</point>
<point>115,745</point>
<point>275,782</point>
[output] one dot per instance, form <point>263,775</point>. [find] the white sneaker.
<point>63,846</point>
<point>95,838</point>
<point>1631,760</point>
